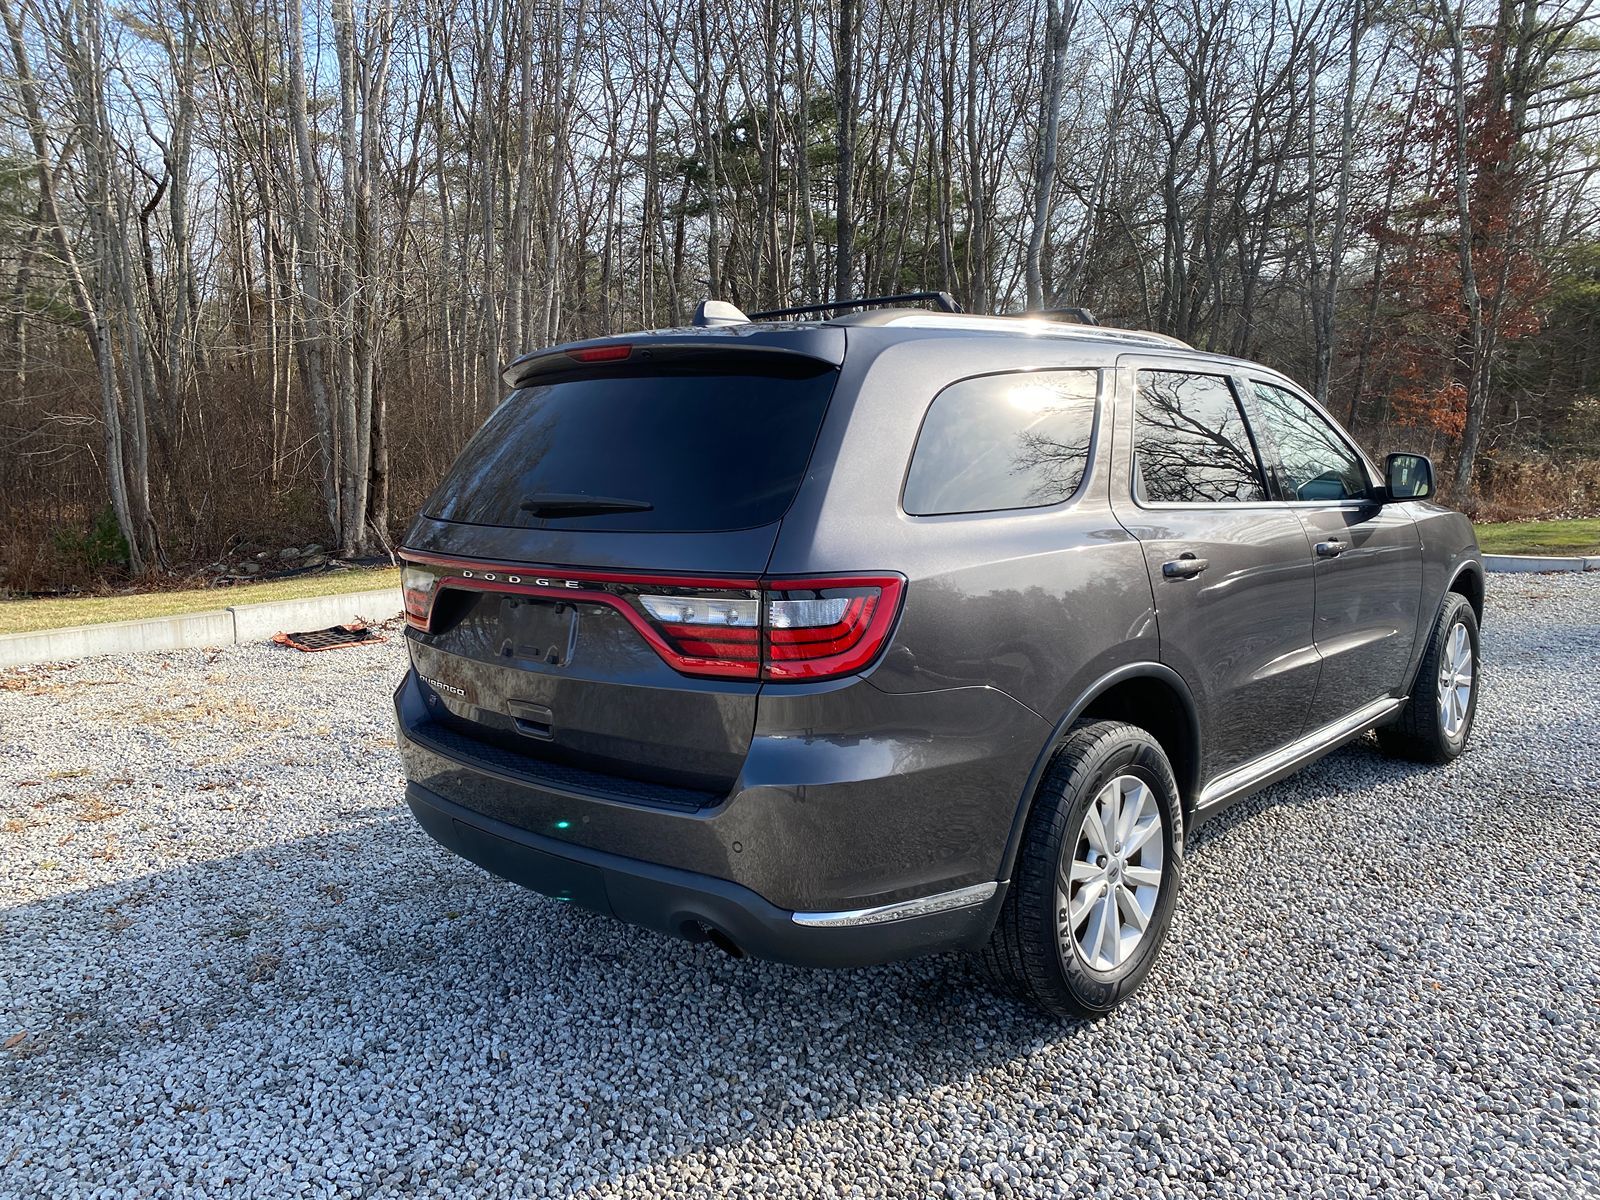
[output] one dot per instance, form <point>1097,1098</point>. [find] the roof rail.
<point>945,301</point>
<point>1028,322</point>
<point>1070,314</point>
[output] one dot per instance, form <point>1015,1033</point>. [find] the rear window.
<point>1003,441</point>
<point>705,451</point>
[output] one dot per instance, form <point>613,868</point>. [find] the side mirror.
<point>1409,476</point>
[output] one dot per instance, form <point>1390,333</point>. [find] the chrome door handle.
<point>1186,566</point>
<point>1332,548</point>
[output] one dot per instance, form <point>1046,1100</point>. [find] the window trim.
<point>1136,476</point>
<point>1096,429</point>
<point>1249,379</point>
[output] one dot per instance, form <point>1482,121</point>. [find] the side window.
<point>1314,462</point>
<point>1003,441</point>
<point>1190,444</point>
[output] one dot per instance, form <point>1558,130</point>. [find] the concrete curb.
<point>233,626</point>
<point>1539,562</point>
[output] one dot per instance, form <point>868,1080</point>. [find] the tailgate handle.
<point>531,719</point>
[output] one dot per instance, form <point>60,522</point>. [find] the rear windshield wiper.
<point>551,504</point>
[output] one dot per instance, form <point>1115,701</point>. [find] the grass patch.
<point>1540,537</point>
<point>26,616</point>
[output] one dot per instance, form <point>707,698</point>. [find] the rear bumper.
<point>824,816</point>
<point>700,907</point>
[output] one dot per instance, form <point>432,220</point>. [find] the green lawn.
<point>26,616</point>
<point>1540,537</point>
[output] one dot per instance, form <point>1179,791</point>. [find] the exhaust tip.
<point>710,933</point>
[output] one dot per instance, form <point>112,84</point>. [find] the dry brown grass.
<point>211,710</point>
<point>1537,489</point>
<point>94,808</point>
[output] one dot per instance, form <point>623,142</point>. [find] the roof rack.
<point>945,301</point>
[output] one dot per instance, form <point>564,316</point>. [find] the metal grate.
<point>330,639</point>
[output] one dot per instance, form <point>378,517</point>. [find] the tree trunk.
<point>844,100</point>
<point>1058,24</point>
<point>313,317</point>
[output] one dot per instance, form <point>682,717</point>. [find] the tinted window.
<point>1314,462</point>
<point>1190,443</point>
<point>706,451</point>
<point>1003,441</point>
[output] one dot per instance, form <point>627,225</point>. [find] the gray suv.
<point>840,641</point>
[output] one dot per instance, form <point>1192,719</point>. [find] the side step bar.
<point>1268,769</point>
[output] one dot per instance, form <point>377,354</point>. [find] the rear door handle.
<point>1331,548</point>
<point>1186,566</point>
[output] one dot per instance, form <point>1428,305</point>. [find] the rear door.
<point>1368,555</point>
<point>552,566</point>
<point>1230,568</point>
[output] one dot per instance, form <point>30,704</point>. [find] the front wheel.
<point>1096,877</point>
<point>1437,719</point>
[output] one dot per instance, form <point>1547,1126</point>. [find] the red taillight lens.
<point>824,628</point>
<point>799,629</point>
<point>615,352</point>
<point>418,586</point>
<point>706,634</point>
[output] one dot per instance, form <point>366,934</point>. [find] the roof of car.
<point>1023,325</point>
<point>772,334</point>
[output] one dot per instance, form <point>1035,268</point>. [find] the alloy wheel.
<point>1110,876</point>
<point>1454,689</point>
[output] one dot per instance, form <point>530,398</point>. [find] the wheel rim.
<point>1110,875</point>
<point>1454,689</point>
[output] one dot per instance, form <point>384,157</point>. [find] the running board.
<point>1241,781</point>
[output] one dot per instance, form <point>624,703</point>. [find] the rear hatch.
<point>584,586</point>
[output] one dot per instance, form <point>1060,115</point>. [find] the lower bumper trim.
<point>691,905</point>
<point>920,907</point>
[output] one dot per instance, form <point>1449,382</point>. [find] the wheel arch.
<point>1468,581</point>
<point>1465,580</point>
<point>1147,694</point>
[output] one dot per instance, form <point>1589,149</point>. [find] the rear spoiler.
<point>766,351</point>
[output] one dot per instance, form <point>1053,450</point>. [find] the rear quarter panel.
<point>1036,602</point>
<point>1035,605</point>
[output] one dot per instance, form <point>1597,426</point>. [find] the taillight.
<point>708,635</point>
<point>799,629</point>
<point>793,629</point>
<point>612,352</point>
<point>824,628</point>
<point>418,586</point>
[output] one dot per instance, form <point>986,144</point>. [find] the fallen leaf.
<point>15,1040</point>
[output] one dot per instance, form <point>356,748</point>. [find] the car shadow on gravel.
<point>1356,767</point>
<point>369,970</point>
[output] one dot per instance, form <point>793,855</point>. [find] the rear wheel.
<point>1096,876</point>
<point>1437,719</point>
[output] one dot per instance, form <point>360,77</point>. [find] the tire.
<point>1027,953</point>
<point>1426,731</point>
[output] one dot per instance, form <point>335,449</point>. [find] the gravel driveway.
<point>230,961</point>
